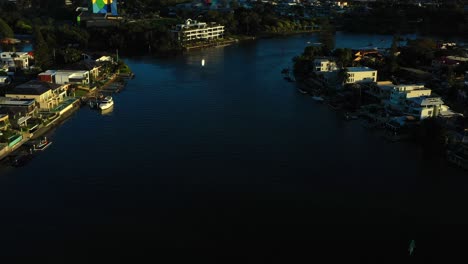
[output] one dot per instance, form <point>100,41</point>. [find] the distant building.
<point>324,65</point>
<point>103,6</point>
<point>361,75</point>
<point>99,13</point>
<point>194,30</point>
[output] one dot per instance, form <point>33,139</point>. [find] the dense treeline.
<point>154,34</point>
<point>140,36</point>
<point>148,33</point>
<point>389,19</point>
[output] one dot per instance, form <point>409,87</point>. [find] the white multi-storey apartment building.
<point>194,30</point>
<point>361,75</point>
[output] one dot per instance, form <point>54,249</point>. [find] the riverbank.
<point>229,145</point>
<point>70,106</point>
<point>240,38</point>
<point>439,143</point>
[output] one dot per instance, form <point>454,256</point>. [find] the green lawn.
<point>80,93</point>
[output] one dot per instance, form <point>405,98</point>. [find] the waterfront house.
<point>361,75</point>
<point>47,76</point>
<point>91,66</point>
<point>425,107</point>
<point>15,59</point>
<point>71,77</point>
<point>193,30</point>
<point>400,93</point>
<point>381,90</point>
<point>324,65</point>
<point>47,95</point>
<point>19,111</point>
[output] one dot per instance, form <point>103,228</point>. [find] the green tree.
<point>42,54</point>
<point>302,67</point>
<point>327,37</point>
<point>310,52</point>
<point>342,75</point>
<point>344,57</point>
<point>5,30</point>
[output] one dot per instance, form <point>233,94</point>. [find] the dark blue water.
<point>226,161</point>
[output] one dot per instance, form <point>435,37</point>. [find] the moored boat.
<point>43,144</point>
<point>317,98</point>
<point>302,91</point>
<point>106,103</point>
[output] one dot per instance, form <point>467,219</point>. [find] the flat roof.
<point>5,101</point>
<point>427,101</point>
<point>71,71</point>
<point>33,88</point>
<point>359,69</point>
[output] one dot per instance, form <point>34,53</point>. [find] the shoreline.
<point>370,121</point>
<point>76,105</point>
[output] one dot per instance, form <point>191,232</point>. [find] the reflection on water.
<point>228,151</point>
<point>107,111</point>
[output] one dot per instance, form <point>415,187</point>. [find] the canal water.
<point>227,161</point>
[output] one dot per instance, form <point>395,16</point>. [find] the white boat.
<point>106,103</point>
<point>317,98</point>
<point>43,144</point>
<point>302,91</point>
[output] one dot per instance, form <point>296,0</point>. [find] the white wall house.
<point>76,77</point>
<point>361,75</point>
<point>400,93</point>
<point>194,30</point>
<point>12,59</point>
<point>47,95</point>
<point>324,65</point>
<point>425,107</point>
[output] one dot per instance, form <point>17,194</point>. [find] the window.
<point>373,74</point>
<point>429,113</point>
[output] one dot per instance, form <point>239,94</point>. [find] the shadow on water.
<point>226,160</point>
